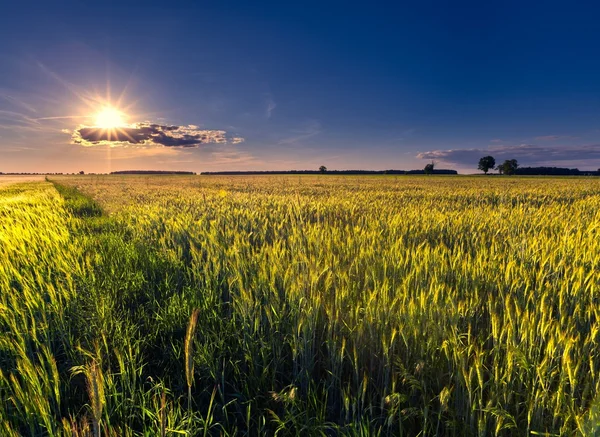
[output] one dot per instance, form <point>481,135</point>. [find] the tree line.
<point>511,166</point>
<point>486,164</point>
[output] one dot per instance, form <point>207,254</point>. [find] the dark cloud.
<point>152,134</point>
<point>526,154</point>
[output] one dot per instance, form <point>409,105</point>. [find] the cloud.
<point>151,134</point>
<point>548,138</point>
<point>312,128</point>
<point>526,154</point>
<point>18,122</point>
<point>17,149</point>
<point>554,138</point>
<point>271,105</point>
<point>231,157</point>
<point>19,102</point>
<point>17,118</point>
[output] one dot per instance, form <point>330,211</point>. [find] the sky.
<point>209,86</point>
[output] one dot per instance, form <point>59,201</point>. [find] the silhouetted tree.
<point>486,163</point>
<point>323,169</point>
<point>81,172</point>
<point>429,168</point>
<point>508,167</point>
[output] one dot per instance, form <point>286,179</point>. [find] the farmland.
<point>299,305</point>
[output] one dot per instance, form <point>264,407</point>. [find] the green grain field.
<point>300,305</point>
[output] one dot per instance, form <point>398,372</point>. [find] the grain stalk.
<point>95,389</point>
<point>189,353</point>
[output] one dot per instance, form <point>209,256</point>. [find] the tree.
<point>81,172</point>
<point>323,169</point>
<point>429,168</point>
<point>508,167</point>
<point>486,163</point>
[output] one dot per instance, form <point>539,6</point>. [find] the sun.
<point>110,118</point>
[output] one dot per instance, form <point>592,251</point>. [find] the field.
<point>312,305</point>
<point>9,180</point>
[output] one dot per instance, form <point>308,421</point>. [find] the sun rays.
<point>110,118</point>
<point>111,123</point>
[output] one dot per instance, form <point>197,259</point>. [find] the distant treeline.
<point>29,174</point>
<point>334,172</point>
<point>554,171</point>
<point>153,172</point>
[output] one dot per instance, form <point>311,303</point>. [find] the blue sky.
<point>281,85</point>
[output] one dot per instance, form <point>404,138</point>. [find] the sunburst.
<point>110,118</point>
<point>113,124</point>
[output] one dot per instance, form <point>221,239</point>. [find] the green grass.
<point>321,305</point>
<point>78,204</point>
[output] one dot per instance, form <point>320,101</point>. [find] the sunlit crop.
<point>312,305</point>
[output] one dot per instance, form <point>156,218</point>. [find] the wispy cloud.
<point>19,112</point>
<point>271,105</point>
<point>229,157</point>
<point>17,149</point>
<point>17,118</point>
<point>19,102</point>
<point>176,161</point>
<point>226,156</point>
<point>311,129</point>
<point>19,122</point>
<point>526,154</point>
<point>62,117</point>
<point>83,95</point>
<point>547,138</point>
<point>554,137</point>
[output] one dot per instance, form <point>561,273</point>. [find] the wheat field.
<point>299,305</point>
